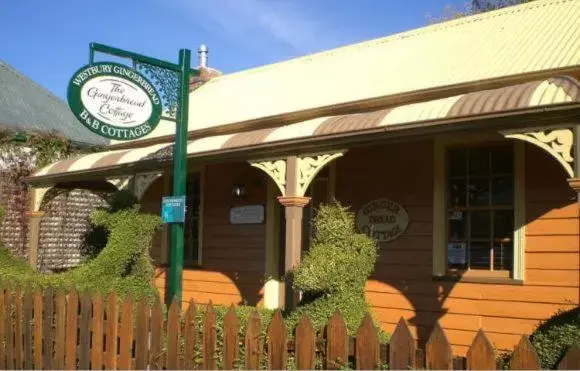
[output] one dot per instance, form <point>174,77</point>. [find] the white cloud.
<point>257,23</point>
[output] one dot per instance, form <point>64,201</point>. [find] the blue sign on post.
<point>173,209</point>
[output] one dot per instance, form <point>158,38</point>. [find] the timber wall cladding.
<point>402,284</point>
<point>233,256</point>
<point>14,201</point>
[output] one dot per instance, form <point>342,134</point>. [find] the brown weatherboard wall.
<point>402,284</point>
<point>233,256</point>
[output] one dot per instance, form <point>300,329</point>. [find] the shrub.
<point>96,237</point>
<point>124,265</point>
<point>243,313</point>
<point>333,273</point>
<point>553,337</point>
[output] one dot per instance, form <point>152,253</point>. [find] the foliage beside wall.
<point>96,237</point>
<point>333,273</point>
<point>243,313</point>
<point>22,152</point>
<point>20,155</point>
<point>124,265</point>
<point>554,336</point>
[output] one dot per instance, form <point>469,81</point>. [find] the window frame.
<point>490,207</point>
<point>440,225</point>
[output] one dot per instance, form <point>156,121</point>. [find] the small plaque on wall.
<point>249,214</point>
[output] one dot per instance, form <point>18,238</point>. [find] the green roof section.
<point>25,106</point>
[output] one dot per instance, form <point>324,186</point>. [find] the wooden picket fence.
<point>54,330</point>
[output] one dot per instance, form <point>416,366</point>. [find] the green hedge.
<point>333,273</point>
<point>243,313</point>
<point>553,337</point>
<point>96,238</point>
<point>123,266</point>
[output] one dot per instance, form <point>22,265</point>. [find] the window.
<point>192,220</point>
<point>480,209</point>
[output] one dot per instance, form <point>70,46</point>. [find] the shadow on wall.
<point>233,255</point>
<point>402,284</point>
<point>405,288</point>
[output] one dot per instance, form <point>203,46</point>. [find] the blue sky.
<point>48,40</point>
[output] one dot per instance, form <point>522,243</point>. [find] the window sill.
<point>480,279</point>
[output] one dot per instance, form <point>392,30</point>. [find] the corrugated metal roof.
<point>26,106</point>
<point>537,36</point>
<point>543,93</point>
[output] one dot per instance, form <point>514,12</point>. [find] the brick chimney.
<point>206,73</point>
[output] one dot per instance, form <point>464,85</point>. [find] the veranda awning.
<point>562,91</point>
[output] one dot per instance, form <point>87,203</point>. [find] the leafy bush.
<point>243,313</point>
<point>553,337</point>
<point>124,265</point>
<point>333,273</point>
<point>96,237</point>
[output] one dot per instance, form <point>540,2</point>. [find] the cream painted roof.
<point>540,35</point>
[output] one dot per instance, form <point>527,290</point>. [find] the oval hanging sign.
<point>382,219</point>
<point>114,101</point>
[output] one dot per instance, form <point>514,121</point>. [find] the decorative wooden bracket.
<point>557,142</point>
<point>121,183</point>
<point>142,182</point>
<point>38,197</point>
<point>293,175</point>
<point>276,169</point>
<point>308,166</point>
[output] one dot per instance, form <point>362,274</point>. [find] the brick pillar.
<point>293,208</point>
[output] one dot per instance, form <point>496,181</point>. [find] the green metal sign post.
<point>183,68</point>
<point>179,177</point>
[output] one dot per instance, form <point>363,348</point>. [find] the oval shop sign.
<point>382,219</point>
<point>114,101</point>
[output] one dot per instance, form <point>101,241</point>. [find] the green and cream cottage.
<point>455,144</point>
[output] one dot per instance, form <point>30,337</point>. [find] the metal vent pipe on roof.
<point>202,51</point>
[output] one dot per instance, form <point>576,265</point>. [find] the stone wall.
<point>14,201</point>
<point>64,227</point>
